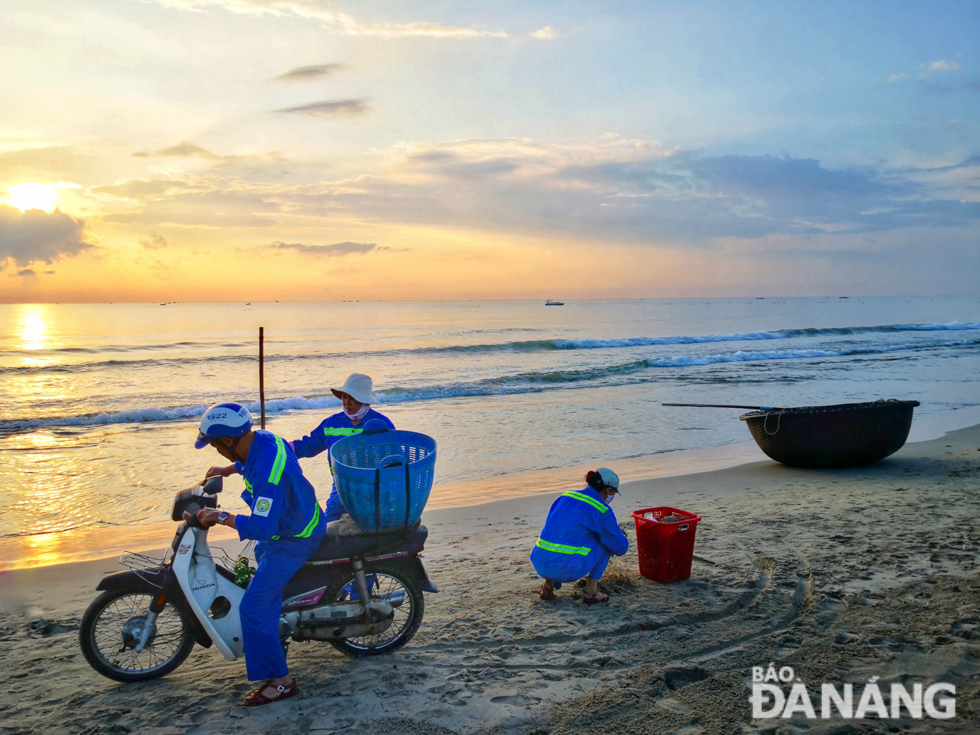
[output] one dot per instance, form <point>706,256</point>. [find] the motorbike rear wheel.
<point>111,627</point>
<point>389,581</point>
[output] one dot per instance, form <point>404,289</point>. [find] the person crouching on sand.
<point>579,536</point>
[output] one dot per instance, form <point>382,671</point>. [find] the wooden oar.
<point>719,405</point>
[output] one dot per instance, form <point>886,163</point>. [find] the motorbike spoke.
<point>164,642</point>
<point>385,588</point>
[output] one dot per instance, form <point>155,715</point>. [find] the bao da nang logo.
<point>770,699</point>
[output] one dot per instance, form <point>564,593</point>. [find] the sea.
<point>100,403</point>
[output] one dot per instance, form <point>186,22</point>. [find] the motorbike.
<point>361,593</point>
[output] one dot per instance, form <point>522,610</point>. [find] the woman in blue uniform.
<point>356,395</point>
<point>579,536</point>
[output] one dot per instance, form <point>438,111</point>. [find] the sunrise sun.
<point>32,196</point>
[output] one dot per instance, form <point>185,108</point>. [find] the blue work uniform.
<point>578,538</point>
<point>332,430</point>
<point>288,525</point>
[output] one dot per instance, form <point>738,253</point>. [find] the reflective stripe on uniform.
<point>280,464</point>
<point>308,531</point>
<point>562,549</point>
<point>248,485</point>
<point>599,506</point>
<point>341,432</point>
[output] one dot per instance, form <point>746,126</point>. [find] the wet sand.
<point>842,575</point>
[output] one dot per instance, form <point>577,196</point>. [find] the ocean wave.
<point>523,346</point>
<point>529,382</point>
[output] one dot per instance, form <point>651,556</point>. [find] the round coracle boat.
<point>843,435</point>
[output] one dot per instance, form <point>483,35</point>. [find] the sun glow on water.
<point>33,196</point>
<point>33,328</point>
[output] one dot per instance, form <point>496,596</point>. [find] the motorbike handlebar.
<point>191,520</point>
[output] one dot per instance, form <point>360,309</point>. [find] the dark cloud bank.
<point>35,235</point>
<point>685,198</point>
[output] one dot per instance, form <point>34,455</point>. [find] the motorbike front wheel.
<point>386,581</point>
<point>111,629</point>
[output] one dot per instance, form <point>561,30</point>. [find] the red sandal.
<point>259,698</point>
<point>547,593</point>
<point>594,599</point>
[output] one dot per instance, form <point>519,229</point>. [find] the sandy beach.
<point>843,575</point>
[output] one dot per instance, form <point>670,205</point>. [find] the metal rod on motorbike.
<point>262,374</point>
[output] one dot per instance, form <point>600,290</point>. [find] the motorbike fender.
<point>413,565</point>
<point>154,582</point>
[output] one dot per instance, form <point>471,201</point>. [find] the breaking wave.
<point>530,382</point>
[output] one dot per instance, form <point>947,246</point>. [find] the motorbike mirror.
<point>213,485</point>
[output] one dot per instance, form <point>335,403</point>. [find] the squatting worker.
<point>287,523</point>
<point>356,396</point>
<point>579,536</point>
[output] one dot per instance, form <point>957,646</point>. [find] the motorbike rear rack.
<point>140,562</point>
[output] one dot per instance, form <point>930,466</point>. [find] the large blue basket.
<point>384,478</point>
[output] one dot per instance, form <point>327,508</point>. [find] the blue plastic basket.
<point>384,478</point>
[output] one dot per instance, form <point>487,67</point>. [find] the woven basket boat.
<point>843,435</point>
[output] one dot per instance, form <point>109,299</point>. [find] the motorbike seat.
<point>344,539</point>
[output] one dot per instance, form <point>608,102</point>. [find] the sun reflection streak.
<point>33,328</point>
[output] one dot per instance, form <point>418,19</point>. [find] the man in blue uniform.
<point>356,396</point>
<point>579,537</point>
<point>287,523</point>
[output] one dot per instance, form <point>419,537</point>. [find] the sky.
<point>239,150</point>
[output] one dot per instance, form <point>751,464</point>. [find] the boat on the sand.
<point>842,435</point>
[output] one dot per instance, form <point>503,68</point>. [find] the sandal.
<point>594,599</point>
<point>259,697</point>
<point>548,593</point>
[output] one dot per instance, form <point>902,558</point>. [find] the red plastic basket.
<point>666,550</point>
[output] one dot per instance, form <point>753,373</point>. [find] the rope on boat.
<point>779,419</point>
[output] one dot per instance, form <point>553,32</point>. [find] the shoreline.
<point>70,547</point>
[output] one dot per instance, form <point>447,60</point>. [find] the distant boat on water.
<point>553,302</point>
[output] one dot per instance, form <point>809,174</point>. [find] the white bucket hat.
<point>358,386</point>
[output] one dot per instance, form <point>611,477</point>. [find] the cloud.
<point>611,189</point>
<point>154,242</point>
<point>54,163</point>
<point>27,272</point>
<point>337,250</point>
<point>27,237</point>
<point>310,73</point>
<point>944,66</point>
<point>895,78</point>
<point>453,165</point>
<point>186,149</point>
<point>545,34</point>
<point>182,150</point>
<point>143,189</point>
<point>329,108</point>
<point>338,22</point>
<point>941,67</point>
